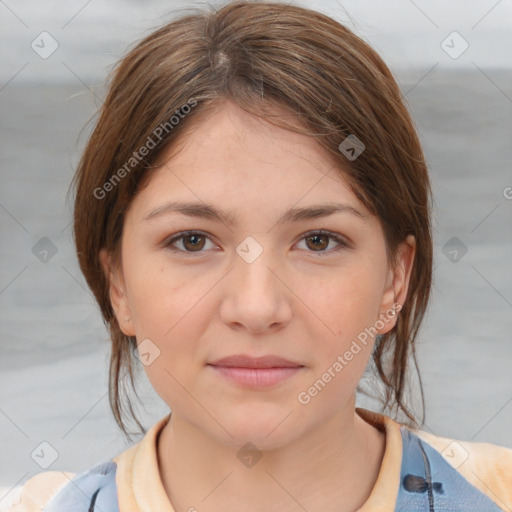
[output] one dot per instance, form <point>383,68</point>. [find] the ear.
<point>397,284</point>
<point>117,294</point>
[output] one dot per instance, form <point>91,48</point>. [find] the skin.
<point>301,300</point>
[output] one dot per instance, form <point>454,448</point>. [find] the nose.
<point>255,297</point>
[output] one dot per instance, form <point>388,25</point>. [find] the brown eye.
<point>188,242</point>
<point>320,242</point>
<point>194,242</point>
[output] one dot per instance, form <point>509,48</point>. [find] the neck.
<point>332,468</point>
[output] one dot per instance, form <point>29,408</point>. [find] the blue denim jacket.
<point>427,484</point>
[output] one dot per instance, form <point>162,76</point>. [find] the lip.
<point>245,361</point>
<point>255,372</point>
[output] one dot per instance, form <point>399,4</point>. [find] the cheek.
<point>345,309</point>
<point>346,301</point>
<point>162,298</point>
<point>170,310</point>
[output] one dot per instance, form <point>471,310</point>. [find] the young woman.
<point>253,217</point>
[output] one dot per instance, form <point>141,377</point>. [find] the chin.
<point>266,430</point>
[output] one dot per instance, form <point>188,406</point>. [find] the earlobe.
<point>117,294</point>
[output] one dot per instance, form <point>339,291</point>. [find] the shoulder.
<point>56,491</point>
<point>479,474</point>
<point>486,466</point>
<point>35,492</point>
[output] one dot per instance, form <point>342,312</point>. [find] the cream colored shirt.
<point>474,468</point>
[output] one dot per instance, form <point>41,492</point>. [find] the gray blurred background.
<point>453,62</point>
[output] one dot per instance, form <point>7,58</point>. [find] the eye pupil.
<point>316,237</point>
<point>194,244</point>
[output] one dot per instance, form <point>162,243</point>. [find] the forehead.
<point>228,131</point>
<point>229,157</point>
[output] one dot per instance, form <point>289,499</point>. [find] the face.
<point>272,274</point>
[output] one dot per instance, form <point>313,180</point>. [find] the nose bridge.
<point>254,260</point>
<point>255,297</point>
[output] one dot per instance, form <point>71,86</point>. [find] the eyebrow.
<point>209,212</point>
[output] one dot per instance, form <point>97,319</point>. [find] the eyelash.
<point>342,243</point>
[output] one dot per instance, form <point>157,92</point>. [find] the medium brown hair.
<point>259,55</point>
